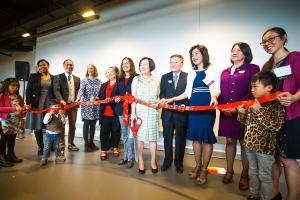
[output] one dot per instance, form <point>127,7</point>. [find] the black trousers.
<point>176,122</point>
<point>110,133</point>
<point>9,141</point>
<point>89,127</point>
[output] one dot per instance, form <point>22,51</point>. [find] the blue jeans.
<point>49,139</point>
<point>130,143</point>
<point>260,174</point>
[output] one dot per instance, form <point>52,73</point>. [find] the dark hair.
<point>7,83</point>
<point>151,63</point>
<point>280,31</point>
<point>246,50</point>
<point>68,60</point>
<point>132,71</point>
<point>265,78</point>
<point>204,52</point>
<point>42,60</point>
<point>54,102</point>
<point>177,56</point>
<point>1,82</point>
<point>95,70</point>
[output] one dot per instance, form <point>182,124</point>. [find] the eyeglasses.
<point>270,40</point>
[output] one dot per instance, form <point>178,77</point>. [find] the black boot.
<point>94,147</point>
<point>4,162</point>
<point>40,150</point>
<point>40,141</point>
<point>13,158</point>
<point>87,147</point>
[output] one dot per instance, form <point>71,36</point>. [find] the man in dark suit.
<point>66,87</point>
<point>173,84</point>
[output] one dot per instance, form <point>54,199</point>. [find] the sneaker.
<point>251,197</point>
<point>43,162</point>
<point>60,159</point>
<point>130,164</point>
<point>20,136</point>
<point>123,162</point>
<point>72,147</point>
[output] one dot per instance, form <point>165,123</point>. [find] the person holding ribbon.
<point>146,88</point>
<point>126,75</point>
<point>89,91</point>
<point>54,121</point>
<point>39,91</point>
<point>286,66</point>
<point>236,86</point>
<point>203,89</point>
<point>172,84</point>
<point>10,121</point>
<point>262,124</point>
<point>108,118</point>
<point>66,86</point>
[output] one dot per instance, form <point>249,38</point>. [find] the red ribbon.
<point>128,99</point>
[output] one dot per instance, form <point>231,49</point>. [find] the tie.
<point>69,77</point>
<point>175,79</point>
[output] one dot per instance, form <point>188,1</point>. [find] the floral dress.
<point>89,88</point>
<point>11,125</point>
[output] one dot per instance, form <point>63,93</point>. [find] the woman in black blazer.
<point>109,114</point>
<point>38,92</point>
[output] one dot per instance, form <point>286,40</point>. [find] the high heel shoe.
<point>244,183</point>
<point>202,179</point>
<point>142,171</point>
<point>103,155</point>
<point>227,178</point>
<point>154,171</point>
<point>195,172</point>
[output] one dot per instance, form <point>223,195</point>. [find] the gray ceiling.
<point>40,17</point>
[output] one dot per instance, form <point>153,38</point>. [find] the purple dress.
<point>234,88</point>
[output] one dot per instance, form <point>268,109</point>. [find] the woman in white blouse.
<point>203,88</point>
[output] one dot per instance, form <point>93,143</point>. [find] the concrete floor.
<point>85,176</point>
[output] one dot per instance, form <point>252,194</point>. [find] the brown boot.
<point>94,147</point>
<point>87,147</point>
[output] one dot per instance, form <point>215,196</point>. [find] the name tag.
<point>283,72</point>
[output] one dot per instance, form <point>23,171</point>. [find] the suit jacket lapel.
<point>170,82</point>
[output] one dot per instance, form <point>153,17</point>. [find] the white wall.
<point>160,28</point>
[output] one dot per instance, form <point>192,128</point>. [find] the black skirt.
<point>288,139</point>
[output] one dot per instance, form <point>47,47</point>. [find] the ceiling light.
<point>88,13</point>
<point>24,35</point>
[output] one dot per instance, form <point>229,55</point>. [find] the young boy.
<point>263,121</point>
<point>54,121</point>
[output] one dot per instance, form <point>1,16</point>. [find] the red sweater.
<point>5,107</point>
<point>108,111</point>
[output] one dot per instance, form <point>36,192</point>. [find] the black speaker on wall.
<point>22,70</point>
